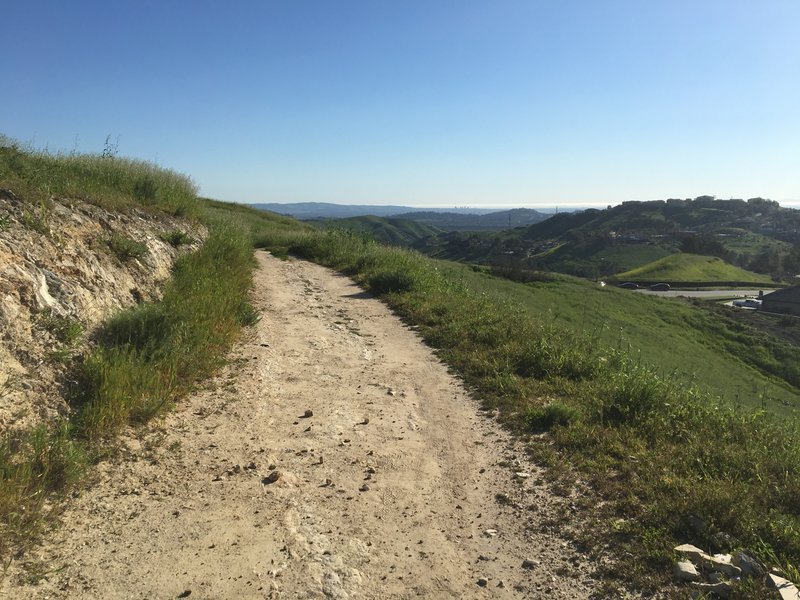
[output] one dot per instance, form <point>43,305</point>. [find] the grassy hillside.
<point>392,231</point>
<point>503,219</point>
<point>653,445</point>
<point>756,235</point>
<point>690,267</point>
<point>680,340</point>
<point>112,182</point>
<point>595,261</point>
<point>143,359</point>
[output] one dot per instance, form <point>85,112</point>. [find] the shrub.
<point>125,248</point>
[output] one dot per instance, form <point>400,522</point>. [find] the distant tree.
<point>694,244</point>
<point>791,262</point>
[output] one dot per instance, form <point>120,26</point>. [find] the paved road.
<point>706,293</point>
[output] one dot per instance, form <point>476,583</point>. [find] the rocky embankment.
<point>65,266</point>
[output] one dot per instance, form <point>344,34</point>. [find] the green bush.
<point>125,248</point>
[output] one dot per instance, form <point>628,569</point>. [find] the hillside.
<point>756,235</point>
<point>387,230</point>
<point>325,210</point>
<point>621,388</point>
<point>691,268</point>
<point>504,219</point>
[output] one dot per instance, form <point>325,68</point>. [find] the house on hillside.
<point>786,301</point>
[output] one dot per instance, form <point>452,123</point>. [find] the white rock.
<point>786,588</point>
<point>685,571</point>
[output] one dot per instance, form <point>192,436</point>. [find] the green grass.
<point>176,238</point>
<point>151,355</point>
<point>691,267</point>
<point>630,256</point>
<point>113,183</point>
<point>125,248</point>
<point>393,231</point>
<point>144,358</point>
<point>653,447</point>
<point>685,342</point>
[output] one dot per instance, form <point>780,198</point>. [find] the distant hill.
<point>757,235</point>
<point>703,214</point>
<point>396,232</point>
<point>326,210</point>
<point>504,219</point>
<point>691,267</point>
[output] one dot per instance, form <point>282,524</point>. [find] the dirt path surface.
<point>395,486</point>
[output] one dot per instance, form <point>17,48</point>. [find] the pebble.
<point>483,582</point>
<point>272,477</point>
<point>530,563</point>
<point>364,488</point>
<point>308,414</point>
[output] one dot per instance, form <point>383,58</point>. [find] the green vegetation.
<point>691,267</point>
<point>757,235</point>
<point>103,179</point>
<point>152,354</point>
<point>655,448</point>
<point>396,232</point>
<point>627,387</point>
<point>146,357</point>
<point>125,248</point>
<point>176,238</point>
<point>688,344</point>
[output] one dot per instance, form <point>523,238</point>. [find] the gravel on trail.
<point>333,456</point>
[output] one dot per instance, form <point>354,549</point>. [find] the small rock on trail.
<point>301,529</point>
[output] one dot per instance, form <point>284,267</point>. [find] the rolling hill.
<point>504,219</point>
<point>690,268</point>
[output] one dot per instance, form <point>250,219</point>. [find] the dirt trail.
<point>388,491</point>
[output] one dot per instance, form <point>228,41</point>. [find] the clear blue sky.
<point>429,102</point>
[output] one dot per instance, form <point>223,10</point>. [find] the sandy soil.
<point>388,490</point>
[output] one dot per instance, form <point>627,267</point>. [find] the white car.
<point>747,303</point>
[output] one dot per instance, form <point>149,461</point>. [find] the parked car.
<point>659,287</point>
<point>747,303</point>
<point>629,285</point>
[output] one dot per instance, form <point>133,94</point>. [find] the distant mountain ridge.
<point>502,219</point>
<point>326,210</point>
<point>455,219</point>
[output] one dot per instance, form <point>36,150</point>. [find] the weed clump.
<point>544,418</point>
<point>125,248</point>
